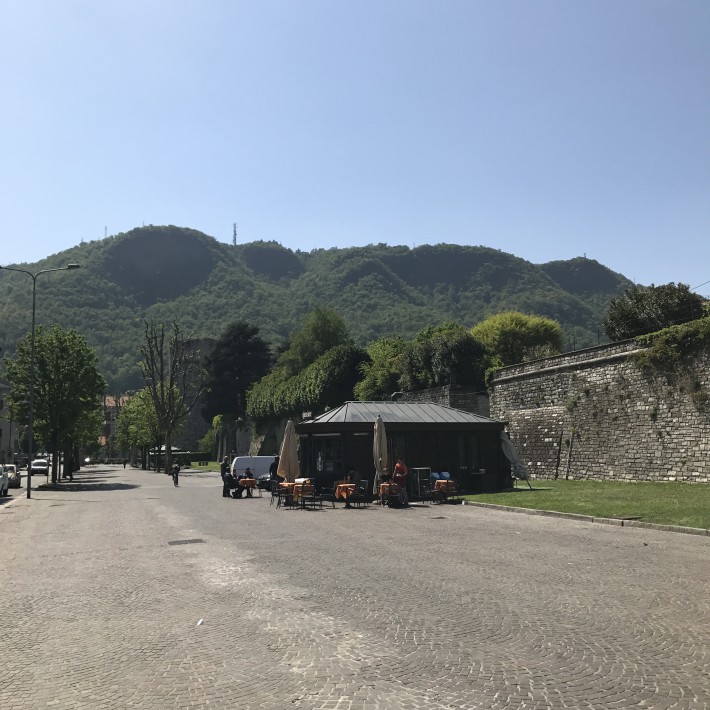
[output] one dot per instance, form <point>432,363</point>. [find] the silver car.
<point>39,467</point>
<point>3,481</point>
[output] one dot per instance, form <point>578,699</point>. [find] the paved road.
<point>431,607</point>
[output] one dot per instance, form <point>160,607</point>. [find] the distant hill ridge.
<point>168,272</point>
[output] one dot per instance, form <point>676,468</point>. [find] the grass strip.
<point>671,503</point>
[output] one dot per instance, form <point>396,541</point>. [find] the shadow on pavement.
<point>93,481</point>
<point>84,486</point>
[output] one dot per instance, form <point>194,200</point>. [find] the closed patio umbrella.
<point>379,452</point>
<point>518,467</point>
<point>288,456</point>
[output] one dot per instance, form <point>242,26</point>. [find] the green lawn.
<point>211,466</point>
<point>665,503</point>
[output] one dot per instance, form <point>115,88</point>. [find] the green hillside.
<point>173,272</point>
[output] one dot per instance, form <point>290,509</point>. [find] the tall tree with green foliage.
<point>171,368</point>
<point>382,371</point>
<point>513,337</point>
<point>327,382</point>
<point>316,369</point>
<point>239,358</point>
<point>320,330</point>
<point>67,386</point>
<point>443,355</point>
<point>137,424</point>
<point>647,309</point>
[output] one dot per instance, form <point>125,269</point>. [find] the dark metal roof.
<point>398,413</point>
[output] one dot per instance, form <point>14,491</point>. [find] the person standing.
<point>274,471</point>
<point>176,473</point>
<point>224,472</point>
<point>399,476</point>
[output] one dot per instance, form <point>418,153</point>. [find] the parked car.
<point>14,477</point>
<point>3,481</point>
<point>39,467</point>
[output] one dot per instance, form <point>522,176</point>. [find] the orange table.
<point>286,492</point>
<point>445,486</point>
<point>245,484</point>
<point>300,489</point>
<point>344,490</point>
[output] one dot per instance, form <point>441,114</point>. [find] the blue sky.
<point>547,129</point>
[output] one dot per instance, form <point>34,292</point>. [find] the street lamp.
<point>68,267</point>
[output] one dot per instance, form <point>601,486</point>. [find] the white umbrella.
<point>288,456</point>
<point>379,452</point>
<point>517,465</point>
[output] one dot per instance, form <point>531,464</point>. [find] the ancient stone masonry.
<point>451,396</point>
<point>595,414</point>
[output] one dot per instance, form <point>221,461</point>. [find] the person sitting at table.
<point>240,487</point>
<point>399,476</point>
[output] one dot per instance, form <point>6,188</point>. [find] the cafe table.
<point>344,490</point>
<point>443,488</point>
<point>248,483</point>
<point>286,491</point>
<point>388,490</point>
<point>302,486</point>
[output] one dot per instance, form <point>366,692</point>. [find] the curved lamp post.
<point>68,267</point>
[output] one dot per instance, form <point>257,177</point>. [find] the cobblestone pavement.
<point>430,607</point>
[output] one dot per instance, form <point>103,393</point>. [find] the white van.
<point>259,465</point>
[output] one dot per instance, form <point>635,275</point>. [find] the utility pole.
<point>234,234</point>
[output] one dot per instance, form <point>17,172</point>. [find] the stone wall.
<point>451,396</point>
<point>593,414</point>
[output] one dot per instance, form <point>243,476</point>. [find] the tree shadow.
<point>88,486</point>
<point>96,481</point>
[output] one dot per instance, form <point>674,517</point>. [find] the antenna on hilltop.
<point>234,234</point>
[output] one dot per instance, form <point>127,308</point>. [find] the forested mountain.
<point>167,273</point>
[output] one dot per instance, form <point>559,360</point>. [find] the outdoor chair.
<point>311,499</point>
<point>285,498</point>
<point>274,492</point>
<point>425,491</point>
<point>361,495</point>
<point>327,495</point>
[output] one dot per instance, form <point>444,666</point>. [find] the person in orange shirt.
<point>400,478</point>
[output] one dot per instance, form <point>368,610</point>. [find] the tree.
<point>317,365</point>
<point>381,373</point>
<point>513,337</point>
<point>321,330</point>
<point>444,355</point>
<point>137,424</point>
<point>171,370</point>
<point>239,358</point>
<point>647,309</point>
<point>84,433</point>
<point>327,382</point>
<point>68,388</point>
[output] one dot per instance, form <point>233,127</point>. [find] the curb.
<point>702,532</point>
